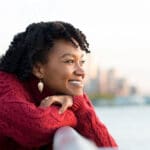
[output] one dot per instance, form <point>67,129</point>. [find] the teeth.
<point>78,83</point>
<point>75,81</point>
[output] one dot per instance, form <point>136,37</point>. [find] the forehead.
<point>65,49</point>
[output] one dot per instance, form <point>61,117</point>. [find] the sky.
<point>118,30</point>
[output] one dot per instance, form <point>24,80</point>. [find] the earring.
<point>40,86</point>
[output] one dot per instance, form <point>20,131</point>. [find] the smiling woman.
<point>64,71</point>
<point>41,89</point>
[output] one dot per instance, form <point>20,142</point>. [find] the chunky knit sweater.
<point>25,126</point>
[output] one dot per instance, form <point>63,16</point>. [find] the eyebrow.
<point>69,54</point>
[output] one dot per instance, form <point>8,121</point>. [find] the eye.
<point>71,61</point>
<point>83,62</point>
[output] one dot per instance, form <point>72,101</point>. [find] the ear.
<point>38,70</point>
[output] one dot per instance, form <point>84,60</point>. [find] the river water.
<point>129,125</point>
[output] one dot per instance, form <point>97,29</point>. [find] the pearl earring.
<point>40,86</point>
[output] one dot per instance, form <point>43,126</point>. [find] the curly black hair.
<point>34,43</point>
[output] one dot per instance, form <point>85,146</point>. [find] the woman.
<point>41,88</point>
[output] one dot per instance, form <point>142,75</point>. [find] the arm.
<point>88,123</point>
<point>29,125</point>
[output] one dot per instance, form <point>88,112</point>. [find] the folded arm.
<point>89,125</point>
<point>28,124</point>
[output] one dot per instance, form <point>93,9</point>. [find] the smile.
<point>76,83</point>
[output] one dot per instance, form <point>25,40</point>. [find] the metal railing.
<point>66,138</point>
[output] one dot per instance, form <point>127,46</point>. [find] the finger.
<point>48,101</point>
<point>54,100</point>
<point>63,108</point>
<point>45,100</point>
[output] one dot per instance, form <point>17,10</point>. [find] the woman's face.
<point>64,72</point>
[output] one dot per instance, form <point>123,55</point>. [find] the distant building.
<point>122,88</point>
<point>92,76</point>
<point>103,81</point>
<point>111,81</point>
<point>133,90</point>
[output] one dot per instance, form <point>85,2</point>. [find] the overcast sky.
<point>118,30</point>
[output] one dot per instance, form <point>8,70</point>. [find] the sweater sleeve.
<point>27,124</point>
<point>89,125</point>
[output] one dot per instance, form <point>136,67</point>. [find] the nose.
<point>79,71</point>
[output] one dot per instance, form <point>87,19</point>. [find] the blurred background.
<point>118,68</point>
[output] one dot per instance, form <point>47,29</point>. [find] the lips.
<point>77,83</point>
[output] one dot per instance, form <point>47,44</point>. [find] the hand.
<point>64,100</point>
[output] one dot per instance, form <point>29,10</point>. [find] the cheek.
<point>63,73</point>
<point>64,76</point>
<point>56,76</point>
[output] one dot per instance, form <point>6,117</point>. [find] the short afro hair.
<point>34,43</point>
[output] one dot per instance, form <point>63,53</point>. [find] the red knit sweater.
<point>25,126</point>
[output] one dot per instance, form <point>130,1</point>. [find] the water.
<point>129,125</point>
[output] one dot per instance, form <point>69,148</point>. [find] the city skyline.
<point>118,31</point>
<point>109,82</point>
